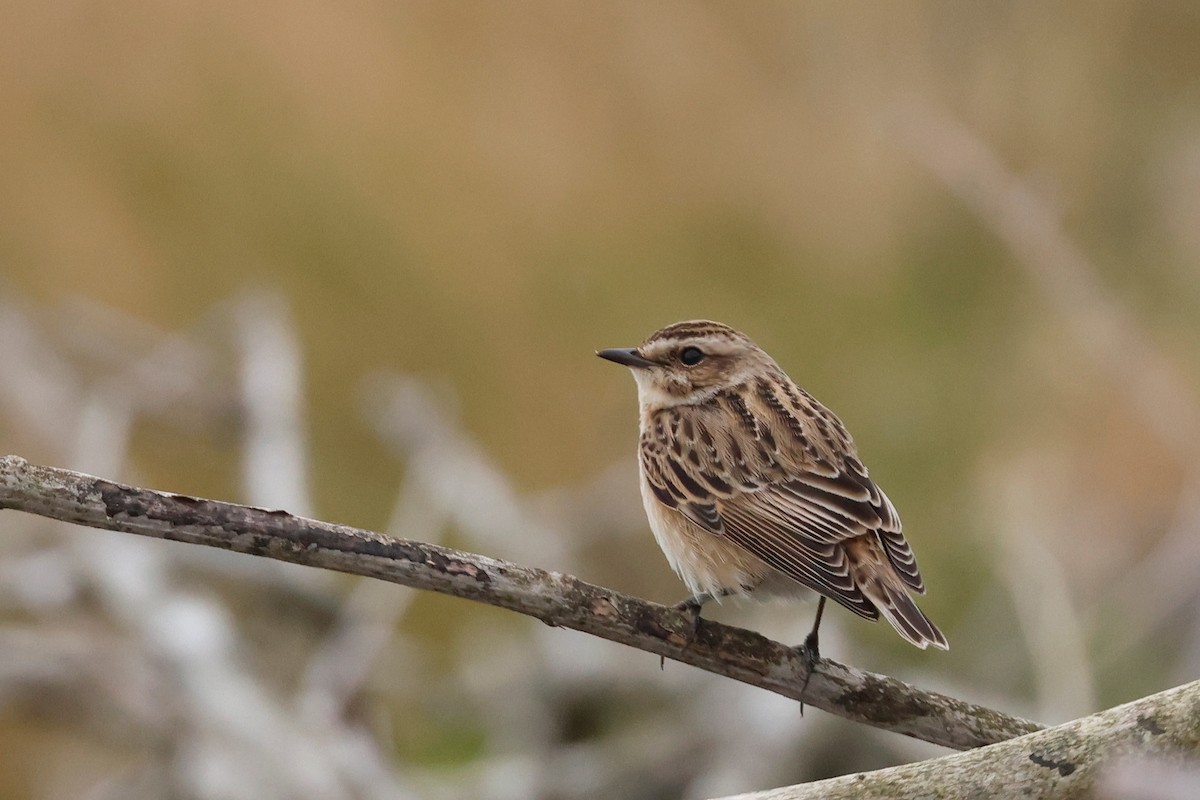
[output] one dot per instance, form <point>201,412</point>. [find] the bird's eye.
<point>691,356</point>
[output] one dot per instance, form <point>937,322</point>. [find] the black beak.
<point>628,356</point>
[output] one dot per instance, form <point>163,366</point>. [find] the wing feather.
<point>827,573</point>
<point>795,517</point>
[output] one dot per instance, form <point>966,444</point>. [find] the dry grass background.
<point>353,259</point>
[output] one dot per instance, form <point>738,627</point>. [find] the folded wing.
<point>794,518</point>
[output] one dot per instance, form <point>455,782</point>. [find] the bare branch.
<point>555,598</point>
<point>1072,760</point>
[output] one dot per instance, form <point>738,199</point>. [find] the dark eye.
<point>691,356</point>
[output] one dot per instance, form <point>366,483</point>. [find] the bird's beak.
<point>628,356</point>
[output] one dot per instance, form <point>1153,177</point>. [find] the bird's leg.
<point>811,650</point>
<point>693,605</point>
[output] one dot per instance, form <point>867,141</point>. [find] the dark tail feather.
<point>908,620</point>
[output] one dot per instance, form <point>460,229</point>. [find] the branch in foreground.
<point>554,598</point>
<point>1067,761</point>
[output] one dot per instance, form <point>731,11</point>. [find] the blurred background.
<point>353,259</point>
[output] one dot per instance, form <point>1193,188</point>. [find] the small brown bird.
<point>752,486</point>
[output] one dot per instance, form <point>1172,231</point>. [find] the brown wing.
<point>851,504</point>
<point>788,494</point>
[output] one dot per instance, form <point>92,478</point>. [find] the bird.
<point>754,488</point>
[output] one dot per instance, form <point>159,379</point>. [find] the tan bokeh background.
<point>973,231</point>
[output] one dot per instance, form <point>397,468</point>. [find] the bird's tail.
<point>908,620</point>
<point>876,578</point>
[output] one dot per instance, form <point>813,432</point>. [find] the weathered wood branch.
<point>1061,763</point>
<point>554,598</point>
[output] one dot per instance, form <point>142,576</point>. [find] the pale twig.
<point>220,730</point>
<point>556,599</point>
<point>1046,615</point>
<point>366,620</point>
<point>454,472</point>
<point>271,376</point>
<point>1067,761</point>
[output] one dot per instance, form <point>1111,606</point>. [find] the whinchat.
<point>752,486</point>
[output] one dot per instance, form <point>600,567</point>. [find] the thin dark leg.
<point>811,650</point>
<point>810,641</point>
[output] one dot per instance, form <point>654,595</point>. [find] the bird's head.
<point>689,362</point>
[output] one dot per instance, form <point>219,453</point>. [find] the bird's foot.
<point>811,648</point>
<point>810,651</point>
<point>692,607</point>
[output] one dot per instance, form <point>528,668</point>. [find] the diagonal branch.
<point>1078,759</point>
<point>554,598</point>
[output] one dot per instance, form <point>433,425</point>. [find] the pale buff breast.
<point>706,562</point>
